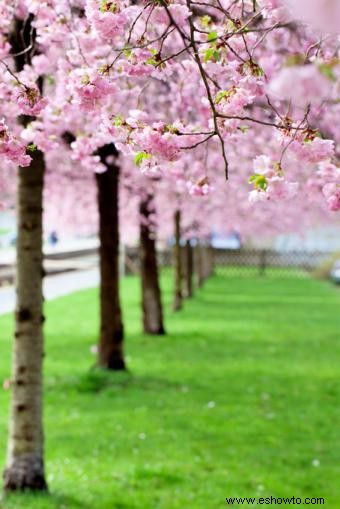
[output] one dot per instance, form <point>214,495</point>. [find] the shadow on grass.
<point>41,500</point>
<point>97,380</point>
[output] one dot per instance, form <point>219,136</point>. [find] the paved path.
<point>7,256</point>
<point>54,286</point>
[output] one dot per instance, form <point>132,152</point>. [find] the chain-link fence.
<point>246,262</point>
<point>267,262</point>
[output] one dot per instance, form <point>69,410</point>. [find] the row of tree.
<point>25,462</point>
<point>189,93</point>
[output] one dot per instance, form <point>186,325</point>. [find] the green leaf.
<point>259,181</point>
<point>244,128</point>
<point>221,95</point>
<point>117,121</point>
<point>212,36</point>
<point>140,157</point>
<point>211,54</point>
<point>205,20</point>
<point>31,147</point>
<point>327,70</point>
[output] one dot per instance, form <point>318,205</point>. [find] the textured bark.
<point>199,266</point>
<point>110,351</point>
<point>189,269</point>
<point>25,452</point>
<point>151,294</point>
<point>25,464</point>
<point>211,261</point>
<point>208,262</point>
<point>177,304</point>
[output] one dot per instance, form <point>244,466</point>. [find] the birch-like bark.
<point>25,463</point>
<point>25,452</point>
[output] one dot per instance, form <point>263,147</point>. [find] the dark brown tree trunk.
<point>211,261</point>
<point>199,265</point>
<point>151,294</point>
<point>189,269</point>
<point>110,351</point>
<point>177,304</point>
<point>25,454</point>
<point>25,458</point>
<point>208,262</point>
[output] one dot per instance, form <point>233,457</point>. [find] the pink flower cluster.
<point>323,15</point>
<point>5,47</point>
<point>107,18</point>
<point>158,142</point>
<point>179,13</point>
<point>138,63</point>
<point>234,101</point>
<point>11,148</point>
<point>271,184</point>
<point>301,85</point>
<point>82,151</point>
<point>313,151</point>
<point>330,174</point>
<point>200,188</point>
<point>277,189</point>
<point>90,88</point>
<point>30,101</point>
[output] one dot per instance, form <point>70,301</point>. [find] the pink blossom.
<point>331,192</point>
<point>5,47</point>
<point>179,13</point>
<point>150,167</point>
<point>313,151</point>
<point>30,101</point>
<point>157,143</point>
<point>257,195</point>
<point>235,100</point>
<point>324,15</point>
<point>274,9</point>
<point>280,189</point>
<point>328,176</point>
<point>302,85</point>
<point>107,18</point>
<point>11,148</point>
<point>200,188</point>
<point>329,171</point>
<point>90,88</point>
<point>264,166</point>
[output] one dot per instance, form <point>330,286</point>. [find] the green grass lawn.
<point>242,398</point>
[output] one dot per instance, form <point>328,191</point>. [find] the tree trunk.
<point>199,266</point>
<point>177,304</point>
<point>25,452</point>
<point>189,268</point>
<point>209,262</point>
<point>151,294</point>
<point>212,260</point>
<point>25,463</point>
<point>110,351</point>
